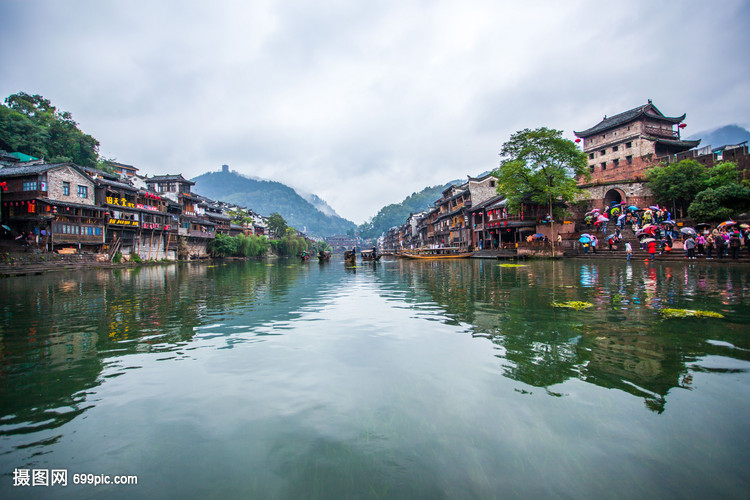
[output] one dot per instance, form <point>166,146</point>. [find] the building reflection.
<point>620,343</point>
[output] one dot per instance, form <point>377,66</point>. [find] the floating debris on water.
<point>689,313</point>
<point>511,265</point>
<point>573,304</point>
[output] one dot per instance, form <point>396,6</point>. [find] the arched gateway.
<point>614,195</point>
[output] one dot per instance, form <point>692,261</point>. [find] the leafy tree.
<point>721,203</point>
<point>677,184</point>
<point>539,166</point>
<point>277,224</point>
<point>722,174</point>
<point>30,124</point>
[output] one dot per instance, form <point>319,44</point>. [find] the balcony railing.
<point>660,132</point>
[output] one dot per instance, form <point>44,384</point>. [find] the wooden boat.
<point>350,257</point>
<point>436,253</point>
<point>304,256</point>
<point>324,257</point>
<point>370,256</point>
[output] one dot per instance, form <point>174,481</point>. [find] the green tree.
<point>721,203</point>
<point>677,184</point>
<point>722,174</point>
<point>540,166</point>
<point>277,224</point>
<point>30,124</point>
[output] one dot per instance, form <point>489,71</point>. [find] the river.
<point>403,379</point>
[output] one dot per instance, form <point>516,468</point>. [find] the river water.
<point>396,380</point>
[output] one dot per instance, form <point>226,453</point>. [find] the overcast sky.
<point>363,103</point>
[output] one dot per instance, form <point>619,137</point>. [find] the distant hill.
<point>722,136</point>
<point>317,202</point>
<point>397,213</point>
<point>266,197</point>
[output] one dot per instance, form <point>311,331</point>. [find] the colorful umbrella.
<point>633,208</point>
<point>612,236</point>
<point>586,235</point>
<point>647,240</point>
<point>602,218</point>
<point>621,217</point>
<point>727,223</point>
<point>687,230</point>
<point>584,239</point>
<point>668,222</point>
<point>654,207</point>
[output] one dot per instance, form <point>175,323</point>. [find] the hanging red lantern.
<point>578,139</point>
<point>682,125</point>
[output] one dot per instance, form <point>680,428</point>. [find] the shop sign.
<point>123,222</point>
<point>122,202</point>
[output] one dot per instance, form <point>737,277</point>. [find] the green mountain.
<point>266,197</point>
<point>397,213</point>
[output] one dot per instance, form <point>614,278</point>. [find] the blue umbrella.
<point>632,207</point>
<point>611,236</point>
<point>584,239</point>
<point>586,235</point>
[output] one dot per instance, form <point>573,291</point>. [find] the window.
<point>29,185</point>
<point>591,167</point>
<point>492,184</point>
<point>628,145</point>
<point>615,162</point>
<point>604,165</point>
<point>615,148</point>
<point>629,159</point>
<point>591,156</point>
<point>603,152</point>
<point>66,188</point>
<point>83,191</point>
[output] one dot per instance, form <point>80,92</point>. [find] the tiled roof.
<point>49,201</point>
<point>162,178</point>
<point>13,171</point>
<point>116,184</point>
<point>679,144</point>
<point>626,117</point>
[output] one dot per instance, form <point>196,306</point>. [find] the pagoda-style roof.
<point>647,110</point>
<point>684,145</point>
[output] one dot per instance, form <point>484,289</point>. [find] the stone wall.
<point>55,179</point>
<point>482,190</point>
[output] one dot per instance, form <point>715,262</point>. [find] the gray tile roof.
<point>13,171</point>
<point>626,117</point>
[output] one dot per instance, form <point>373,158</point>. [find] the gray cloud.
<point>363,103</point>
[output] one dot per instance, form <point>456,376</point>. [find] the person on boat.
<point>374,252</point>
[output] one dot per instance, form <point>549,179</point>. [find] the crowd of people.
<point>657,232</point>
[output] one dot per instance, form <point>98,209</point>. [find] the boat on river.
<point>370,256</point>
<point>436,253</point>
<point>324,256</point>
<point>350,257</point>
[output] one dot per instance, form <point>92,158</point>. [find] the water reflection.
<point>404,379</point>
<point>621,343</point>
<point>62,336</point>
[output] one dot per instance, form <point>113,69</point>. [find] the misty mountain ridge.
<point>266,197</point>
<point>722,136</point>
